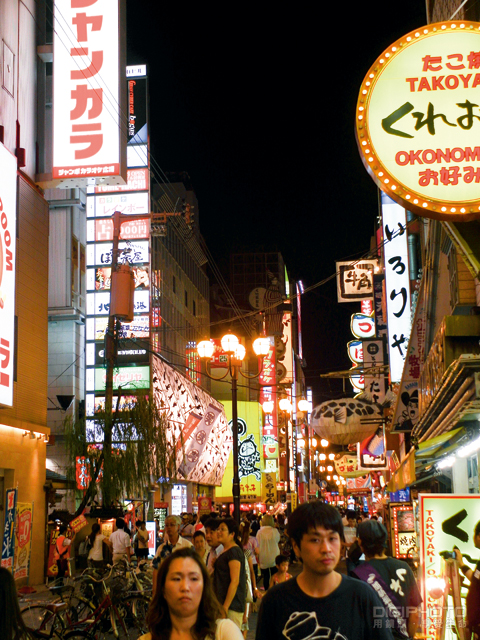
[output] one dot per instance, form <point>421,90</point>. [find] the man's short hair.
<point>476,531</point>
<point>120,523</point>
<point>311,515</point>
<point>351,515</point>
<point>199,534</point>
<point>373,537</point>
<point>175,519</point>
<point>212,524</point>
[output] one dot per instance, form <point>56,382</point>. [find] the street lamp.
<point>236,353</point>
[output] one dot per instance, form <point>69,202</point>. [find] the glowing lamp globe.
<point>261,346</point>
<point>239,353</point>
<point>268,406</point>
<point>435,587</point>
<point>285,405</point>
<point>205,349</point>
<point>229,343</point>
<point>304,406</point>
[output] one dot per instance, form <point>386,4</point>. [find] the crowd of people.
<point>209,574</point>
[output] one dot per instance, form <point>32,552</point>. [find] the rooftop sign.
<point>418,117</point>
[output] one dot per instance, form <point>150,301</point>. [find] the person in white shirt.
<point>121,543</point>
<point>173,541</point>
<point>268,538</point>
<point>96,539</point>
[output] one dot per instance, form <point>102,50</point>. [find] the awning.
<point>439,446</point>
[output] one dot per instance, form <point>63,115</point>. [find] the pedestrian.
<point>211,535</point>
<point>141,538</point>
<point>172,541</point>
<point>229,575</point>
<point>201,546</point>
<point>249,543</point>
<point>62,550</point>
<point>281,562</point>
<point>187,529</point>
<point>255,525</point>
<point>121,542</point>
<point>391,578</point>
<point>473,595</point>
<point>350,534</point>
<point>184,605</point>
<point>320,602</point>
<point>12,626</point>
<point>96,540</point>
<point>268,538</point>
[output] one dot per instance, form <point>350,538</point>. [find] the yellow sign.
<point>250,459</point>
<point>294,501</point>
<point>418,117</point>
<point>269,488</point>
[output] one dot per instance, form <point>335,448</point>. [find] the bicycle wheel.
<point>80,608</point>
<point>129,618</point>
<point>39,618</point>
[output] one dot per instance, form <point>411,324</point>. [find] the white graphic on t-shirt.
<point>303,625</point>
<point>395,584</point>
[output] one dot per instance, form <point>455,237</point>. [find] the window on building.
<point>186,298</point>
<point>194,307</point>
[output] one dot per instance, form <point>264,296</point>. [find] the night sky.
<point>257,105</point>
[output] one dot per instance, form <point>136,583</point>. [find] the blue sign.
<point>402,495</point>
<point>8,546</point>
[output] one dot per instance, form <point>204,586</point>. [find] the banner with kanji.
<point>8,546</point>
<point>23,539</point>
<point>269,488</point>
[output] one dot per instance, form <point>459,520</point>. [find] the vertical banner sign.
<point>86,89</point>
<point>23,539</point>
<point>373,361</point>
<point>8,546</point>
<point>268,393</point>
<point>445,520</point>
<point>8,214</point>
<point>397,281</point>
<point>269,489</point>
<point>406,416</point>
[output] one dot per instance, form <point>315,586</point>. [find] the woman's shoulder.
<point>147,636</point>
<point>227,630</point>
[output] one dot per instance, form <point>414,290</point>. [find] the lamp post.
<point>236,353</point>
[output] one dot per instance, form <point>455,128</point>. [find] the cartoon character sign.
<point>248,457</point>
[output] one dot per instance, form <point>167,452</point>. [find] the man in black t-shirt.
<point>320,603</point>
<point>391,578</point>
<point>473,595</point>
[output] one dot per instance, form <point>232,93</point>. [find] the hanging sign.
<point>8,546</point>
<point>417,120</point>
<point>362,326</point>
<point>355,280</point>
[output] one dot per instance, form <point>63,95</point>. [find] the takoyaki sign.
<point>418,119</point>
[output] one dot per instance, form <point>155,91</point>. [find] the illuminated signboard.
<point>99,303</point>
<point>87,93</point>
<point>100,278</point>
<point>101,230</point>
<point>8,217</point>
<point>131,252</point>
<point>355,280</point>
<point>397,284</point>
<point>402,529</point>
<point>137,180</point>
<point>445,520</point>
<point>138,328</point>
<point>127,203</point>
<point>417,120</point>
<point>130,378</point>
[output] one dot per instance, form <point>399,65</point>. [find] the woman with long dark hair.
<point>96,539</point>
<point>11,623</point>
<point>184,606</point>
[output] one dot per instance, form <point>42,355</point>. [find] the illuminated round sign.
<point>418,118</point>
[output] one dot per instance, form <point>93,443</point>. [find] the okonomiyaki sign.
<point>418,121</point>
